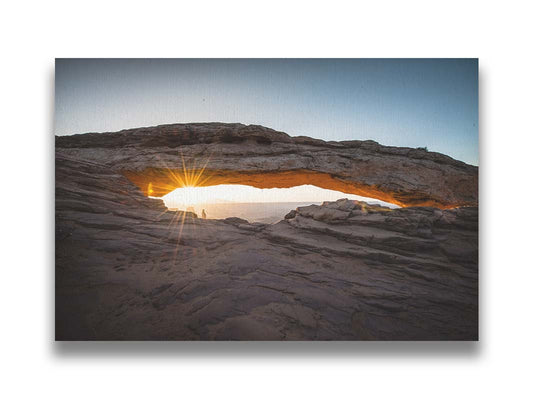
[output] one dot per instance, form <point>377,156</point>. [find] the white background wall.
<point>33,33</point>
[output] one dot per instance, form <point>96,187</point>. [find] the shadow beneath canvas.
<point>467,350</point>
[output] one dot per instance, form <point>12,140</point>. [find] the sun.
<point>192,174</point>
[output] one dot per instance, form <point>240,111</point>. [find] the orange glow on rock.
<point>157,182</point>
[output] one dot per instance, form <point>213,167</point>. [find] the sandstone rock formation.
<point>129,269</point>
<point>162,158</point>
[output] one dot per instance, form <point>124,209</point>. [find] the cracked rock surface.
<point>129,269</point>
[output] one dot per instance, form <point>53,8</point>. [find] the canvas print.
<point>266,199</point>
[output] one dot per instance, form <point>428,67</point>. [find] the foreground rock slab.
<point>129,269</point>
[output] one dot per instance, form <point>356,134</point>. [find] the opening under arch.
<point>267,205</point>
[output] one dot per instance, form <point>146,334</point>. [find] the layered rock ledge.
<point>160,159</point>
<point>129,269</point>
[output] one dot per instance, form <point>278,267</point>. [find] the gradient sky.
<point>429,103</point>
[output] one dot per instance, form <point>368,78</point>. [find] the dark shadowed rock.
<point>129,269</point>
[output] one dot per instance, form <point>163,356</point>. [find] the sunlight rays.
<point>190,177</point>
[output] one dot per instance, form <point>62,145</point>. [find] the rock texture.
<point>129,269</point>
<point>162,158</point>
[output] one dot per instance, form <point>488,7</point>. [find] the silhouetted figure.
<point>204,215</point>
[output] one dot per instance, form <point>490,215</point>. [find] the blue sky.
<point>429,103</point>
